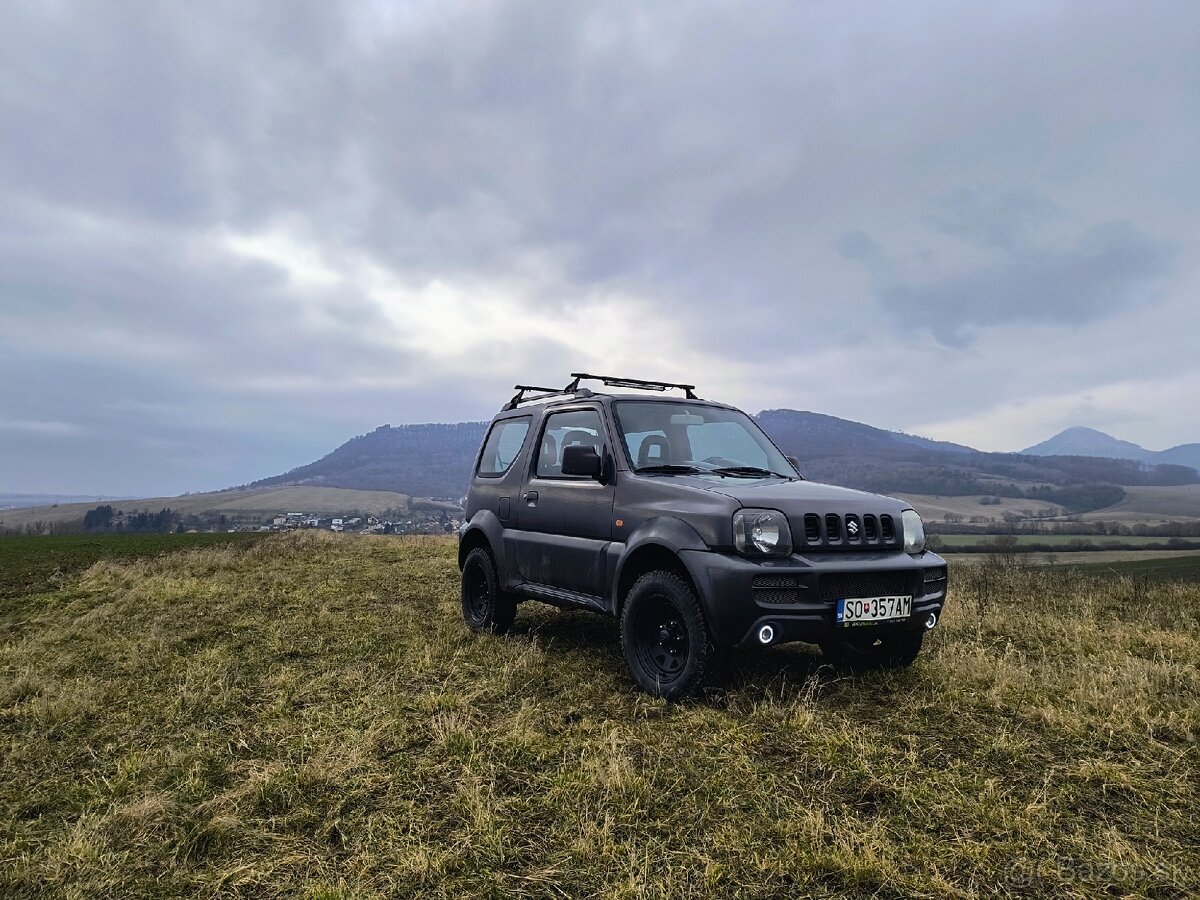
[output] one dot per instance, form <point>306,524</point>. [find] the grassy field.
<point>1098,560</point>
<point>308,716</point>
<point>970,540</point>
<point>934,507</point>
<point>1178,568</point>
<point>259,502</point>
<point>1152,504</point>
<point>30,564</point>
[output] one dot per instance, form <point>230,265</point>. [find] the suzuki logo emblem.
<point>852,527</point>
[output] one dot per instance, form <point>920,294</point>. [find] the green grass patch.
<point>29,564</point>
<point>309,717</point>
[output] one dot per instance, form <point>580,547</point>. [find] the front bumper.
<point>798,595</point>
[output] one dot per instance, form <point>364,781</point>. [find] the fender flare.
<point>668,532</point>
<point>486,524</point>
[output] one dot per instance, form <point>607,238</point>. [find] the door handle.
<point>531,498</point>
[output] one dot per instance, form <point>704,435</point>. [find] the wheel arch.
<point>483,530</point>
<point>656,545</point>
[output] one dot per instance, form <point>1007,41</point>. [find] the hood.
<point>795,498</point>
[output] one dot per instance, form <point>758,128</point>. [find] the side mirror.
<point>582,459</point>
<point>795,464</point>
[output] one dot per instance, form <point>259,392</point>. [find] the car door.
<point>565,522</point>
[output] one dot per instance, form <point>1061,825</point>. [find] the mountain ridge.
<point>1083,441</point>
<point>434,460</point>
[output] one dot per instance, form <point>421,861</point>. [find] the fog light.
<point>930,621</point>
<point>766,634</point>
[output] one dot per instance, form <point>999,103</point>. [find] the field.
<point>260,502</point>
<point>1082,558</point>
<point>970,540</point>
<point>307,716</point>
<point>1178,568</point>
<point>934,507</point>
<point>1152,504</point>
<point>1140,565</point>
<point>30,564</point>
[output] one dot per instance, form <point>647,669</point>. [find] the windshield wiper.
<point>669,469</point>
<point>747,472</point>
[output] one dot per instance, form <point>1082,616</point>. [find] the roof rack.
<point>519,397</point>
<point>545,393</point>
<point>614,381</point>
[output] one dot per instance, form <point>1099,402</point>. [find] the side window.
<point>581,426</point>
<point>503,444</point>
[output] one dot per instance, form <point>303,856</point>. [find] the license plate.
<point>868,610</point>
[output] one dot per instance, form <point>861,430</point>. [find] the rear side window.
<point>503,444</point>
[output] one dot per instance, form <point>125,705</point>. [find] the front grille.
<point>871,528</point>
<point>937,574</point>
<point>851,531</point>
<point>833,529</point>
<point>775,581</point>
<point>776,589</point>
<point>840,585</point>
<point>812,528</point>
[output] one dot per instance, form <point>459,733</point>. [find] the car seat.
<point>649,443</point>
<point>579,436</point>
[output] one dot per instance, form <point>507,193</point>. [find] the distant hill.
<point>20,501</point>
<point>434,461</point>
<point>240,505</point>
<point>427,460</point>
<point>861,456</point>
<point>1079,441</point>
<point>1183,455</point>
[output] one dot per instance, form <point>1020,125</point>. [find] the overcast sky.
<point>233,235</point>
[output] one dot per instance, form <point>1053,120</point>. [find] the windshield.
<point>679,438</point>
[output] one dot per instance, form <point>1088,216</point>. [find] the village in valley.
<point>421,521</point>
<point>190,514</point>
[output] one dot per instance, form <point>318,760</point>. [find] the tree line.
<point>104,518</point>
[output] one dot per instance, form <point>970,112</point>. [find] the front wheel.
<point>485,607</point>
<point>664,636</point>
<point>867,651</point>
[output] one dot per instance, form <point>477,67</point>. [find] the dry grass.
<point>309,717</point>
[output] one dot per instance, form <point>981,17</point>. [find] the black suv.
<point>681,518</point>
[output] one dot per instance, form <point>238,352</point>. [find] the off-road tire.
<point>866,652</point>
<point>485,606</point>
<point>663,636</point>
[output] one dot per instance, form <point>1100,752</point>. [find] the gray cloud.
<point>233,235</point>
<point>1109,266</point>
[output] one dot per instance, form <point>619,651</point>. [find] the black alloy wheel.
<point>664,636</point>
<point>485,607</point>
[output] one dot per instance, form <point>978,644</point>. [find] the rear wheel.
<point>663,635</point>
<point>485,607</point>
<point>865,652</point>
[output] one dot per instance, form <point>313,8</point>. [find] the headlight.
<point>914,531</point>
<point>761,532</point>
